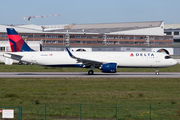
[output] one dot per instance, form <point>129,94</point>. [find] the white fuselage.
<point>123,59</point>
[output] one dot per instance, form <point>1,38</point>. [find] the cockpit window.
<point>80,50</point>
<point>167,57</point>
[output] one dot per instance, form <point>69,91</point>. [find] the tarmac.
<point>85,75</point>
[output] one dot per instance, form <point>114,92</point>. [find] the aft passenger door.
<point>33,58</point>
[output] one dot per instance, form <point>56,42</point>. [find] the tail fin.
<point>16,42</point>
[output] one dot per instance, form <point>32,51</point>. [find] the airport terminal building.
<point>174,30</point>
<point>136,36</point>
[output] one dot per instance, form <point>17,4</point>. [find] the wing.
<point>86,62</point>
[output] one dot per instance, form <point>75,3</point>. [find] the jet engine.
<point>109,67</point>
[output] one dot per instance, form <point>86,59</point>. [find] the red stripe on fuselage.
<point>18,40</point>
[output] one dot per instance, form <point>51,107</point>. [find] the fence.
<point>99,112</point>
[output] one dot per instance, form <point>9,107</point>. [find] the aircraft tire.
<point>90,72</point>
<point>157,73</point>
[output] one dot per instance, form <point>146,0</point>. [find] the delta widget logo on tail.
<point>16,42</point>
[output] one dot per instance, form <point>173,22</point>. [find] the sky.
<point>89,11</point>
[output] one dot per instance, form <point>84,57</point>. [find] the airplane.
<point>108,62</point>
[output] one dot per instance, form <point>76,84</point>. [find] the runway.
<point>85,75</point>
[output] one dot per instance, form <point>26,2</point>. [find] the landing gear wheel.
<point>157,72</point>
<point>90,72</point>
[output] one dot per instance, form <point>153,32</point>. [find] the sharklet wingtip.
<point>70,54</point>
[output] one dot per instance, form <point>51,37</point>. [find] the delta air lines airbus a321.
<point>105,61</point>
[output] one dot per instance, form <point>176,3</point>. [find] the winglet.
<point>70,54</point>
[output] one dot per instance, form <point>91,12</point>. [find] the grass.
<point>36,68</point>
<point>93,97</point>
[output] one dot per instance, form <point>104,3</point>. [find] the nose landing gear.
<point>157,72</point>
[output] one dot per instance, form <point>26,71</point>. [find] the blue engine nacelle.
<point>109,67</point>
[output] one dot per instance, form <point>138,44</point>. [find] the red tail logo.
<point>16,42</point>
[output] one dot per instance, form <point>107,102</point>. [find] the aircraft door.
<point>33,58</point>
<point>158,58</point>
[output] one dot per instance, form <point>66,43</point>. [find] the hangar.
<point>135,36</point>
<point>174,30</point>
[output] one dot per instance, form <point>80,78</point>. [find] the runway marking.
<point>85,75</point>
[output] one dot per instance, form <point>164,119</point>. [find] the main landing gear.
<point>91,72</point>
<point>157,72</point>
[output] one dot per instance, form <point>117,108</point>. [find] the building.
<point>174,30</point>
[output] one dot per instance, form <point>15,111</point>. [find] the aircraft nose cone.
<point>174,62</point>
